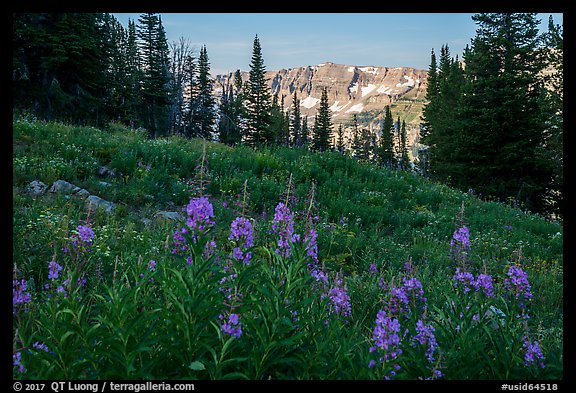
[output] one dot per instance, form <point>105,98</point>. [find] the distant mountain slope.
<point>361,90</point>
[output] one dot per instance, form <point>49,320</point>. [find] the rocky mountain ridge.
<point>361,90</point>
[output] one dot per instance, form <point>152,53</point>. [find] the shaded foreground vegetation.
<point>284,264</point>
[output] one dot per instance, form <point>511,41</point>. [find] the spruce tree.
<point>503,126</point>
<point>442,120</point>
<point>257,101</point>
<point>356,145</point>
<point>204,114</point>
<point>305,131</point>
<point>340,144</point>
<point>296,122</point>
<point>403,160</point>
<point>553,109</point>
<point>155,79</point>
<point>60,65</point>
<point>386,145</point>
<point>278,122</point>
<point>322,125</point>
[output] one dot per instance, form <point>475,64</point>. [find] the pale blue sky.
<point>301,39</point>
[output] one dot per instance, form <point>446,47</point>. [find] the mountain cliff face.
<point>361,90</point>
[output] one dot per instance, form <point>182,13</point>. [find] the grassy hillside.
<point>112,313</point>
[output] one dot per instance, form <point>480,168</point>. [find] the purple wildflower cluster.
<point>533,353</point>
<point>401,297</point>
<point>231,325</point>
<point>53,269</point>
<point>425,336</point>
<point>406,303</point>
<point>241,233</point>
<point>339,298</point>
<point>311,245</point>
<point>200,213</point>
<point>386,337</point>
<point>19,295</point>
<point>518,285</point>
<point>460,246</point>
<point>17,356</point>
<point>465,282</point>
<point>17,361</point>
<point>199,221</point>
<point>283,226</point>
<point>80,241</point>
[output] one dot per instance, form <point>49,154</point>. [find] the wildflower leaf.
<point>196,366</point>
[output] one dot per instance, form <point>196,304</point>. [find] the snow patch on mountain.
<point>409,83</point>
<point>368,89</point>
<point>336,107</point>
<point>384,90</point>
<point>369,70</point>
<point>309,102</point>
<point>353,89</point>
<point>356,108</point>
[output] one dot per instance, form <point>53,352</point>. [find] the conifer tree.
<point>553,107</point>
<point>60,62</point>
<point>258,103</point>
<point>278,127</point>
<point>305,131</point>
<point>296,122</point>
<point>403,159</point>
<point>322,125</point>
<point>386,145</point>
<point>155,78</point>
<point>356,146</point>
<point>204,114</point>
<point>503,123</point>
<point>442,119</point>
<point>340,144</point>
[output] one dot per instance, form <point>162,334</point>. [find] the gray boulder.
<point>37,188</point>
<point>95,202</point>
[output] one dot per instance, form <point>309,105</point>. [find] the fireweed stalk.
<point>198,224</point>
<point>391,335</point>
<point>283,226</point>
<point>460,247</point>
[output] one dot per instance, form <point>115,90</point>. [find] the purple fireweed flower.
<point>41,346</point>
<point>425,336</point>
<point>242,233</point>
<point>386,341</point>
<point>200,213</point>
<point>463,280</point>
<point>373,269</point>
<point>339,298</point>
<point>179,242</point>
<point>319,274</point>
<point>460,244</point>
<point>53,269</point>
<point>311,245</point>
<point>518,285</point>
<point>86,234</point>
<point>533,352</point>
<point>462,237</point>
<point>19,294</point>
<point>484,282</point>
<point>17,361</point>
<point>232,325</point>
<point>283,225</point>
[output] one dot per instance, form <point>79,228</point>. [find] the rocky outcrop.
<point>93,202</point>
